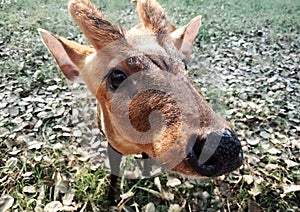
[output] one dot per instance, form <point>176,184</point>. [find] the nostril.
<point>198,146</point>
<point>218,153</point>
<point>211,161</point>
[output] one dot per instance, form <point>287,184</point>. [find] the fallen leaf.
<point>52,88</point>
<point>38,124</point>
<point>167,196</point>
<point>150,207</point>
<point>35,145</point>
<point>248,179</point>
<point>11,162</point>
<point>157,183</point>
<point>289,188</point>
<point>68,197</point>
<point>14,111</point>
<point>29,189</point>
<point>58,146</point>
<point>53,206</point>
<point>187,184</point>
<point>42,115</point>
<point>253,141</point>
<point>291,163</point>
<point>264,134</point>
<point>15,151</point>
<point>173,182</point>
<point>270,167</point>
<point>254,191</point>
<point>77,133</point>
<point>272,79</point>
<point>6,202</point>
<point>175,208</point>
<point>274,151</point>
<point>3,105</point>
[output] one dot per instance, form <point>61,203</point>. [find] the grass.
<point>42,162</point>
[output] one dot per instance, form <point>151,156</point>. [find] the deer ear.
<point>69,55</point>
<point>153,16</point>
<point>184,37</point>
<point>97,29</point>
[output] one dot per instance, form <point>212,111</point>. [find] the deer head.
<point>146,102</point>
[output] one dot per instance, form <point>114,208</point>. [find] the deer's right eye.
<point>115,79</point>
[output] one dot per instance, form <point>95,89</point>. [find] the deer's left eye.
<point>115,79</point>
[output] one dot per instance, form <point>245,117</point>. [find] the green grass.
<point>27,71</point>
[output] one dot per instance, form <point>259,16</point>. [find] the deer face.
<point>146,103</point>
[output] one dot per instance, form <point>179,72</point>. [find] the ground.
<point>247,63</point>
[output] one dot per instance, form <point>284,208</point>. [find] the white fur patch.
<point>92,73</point>
<point>145,43</point>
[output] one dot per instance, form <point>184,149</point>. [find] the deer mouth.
<point>217,154</point>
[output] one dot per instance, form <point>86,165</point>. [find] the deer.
<point>146,102</point>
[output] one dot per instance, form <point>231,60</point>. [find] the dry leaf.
<point>77,133</point>
<point>270,167</point>
<point>291,163</point>
<point>254,191</point>
<point>157,183</point>
<point>274,151</point>
<point>248,179</point>
<point>6,202</point>
<point>11,162</point>
<point>264,134</point>
<point>68,197</point>
<point>175,208</point>
<point>167,196</point>
<point>173,182</point>
<point>54,206</point>
<point>38,124</point>
<point>289,188</point>
<point>35,145</point>
<point>253,141</point>
<point>150,207</point>
<point>29,189</point>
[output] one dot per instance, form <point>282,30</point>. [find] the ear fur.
<point>69,55</point>
<point>185,36</point>
<point>96,28</point>
<point>153,17</point>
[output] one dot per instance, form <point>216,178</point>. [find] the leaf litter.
<point>48,133</point>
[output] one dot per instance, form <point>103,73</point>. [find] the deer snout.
<point>216,154</point>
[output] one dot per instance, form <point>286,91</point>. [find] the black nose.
<point>217,154</point>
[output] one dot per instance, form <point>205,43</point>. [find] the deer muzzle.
<point>216,154</point>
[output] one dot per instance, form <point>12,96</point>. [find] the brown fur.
<point>93,24</point>
<point>147,48</point>
<point>153,17</point>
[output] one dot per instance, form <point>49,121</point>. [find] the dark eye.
<point>115,79</point>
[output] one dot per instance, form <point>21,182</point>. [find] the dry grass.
<point>52,155</point>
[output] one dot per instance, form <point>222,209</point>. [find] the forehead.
<point>144,42</point>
